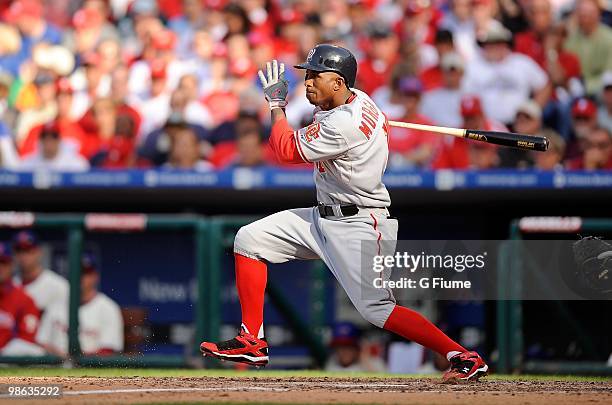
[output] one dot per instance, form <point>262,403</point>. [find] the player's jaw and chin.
<point>311,96</point>
<point>320,92</point>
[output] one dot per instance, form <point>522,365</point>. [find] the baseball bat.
<point>520,141</point>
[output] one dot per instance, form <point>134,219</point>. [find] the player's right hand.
<point>274,84</point>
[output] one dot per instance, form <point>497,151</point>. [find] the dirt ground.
<point>98,390</point>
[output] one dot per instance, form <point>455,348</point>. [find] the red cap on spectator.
<point>242,67</point>
<point>369,4</point>
<point>86,17</point>
<point>471,106</point>
<point>415,7</point>
<point>22,8</point>
<point>215,4</point>
<point>289,16</point>
<point>158,70</point>
<point>257,38</point>
<point>164,40</point>
<point>583,107</point>
<point>63,86</point>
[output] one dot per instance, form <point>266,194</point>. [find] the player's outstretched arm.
<point>276,88</point>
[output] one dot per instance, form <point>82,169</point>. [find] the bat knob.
<point>546,144</point>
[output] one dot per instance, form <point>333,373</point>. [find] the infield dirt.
<point>306,390</point>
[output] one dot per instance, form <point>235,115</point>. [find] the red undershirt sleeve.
<point>284,144</point>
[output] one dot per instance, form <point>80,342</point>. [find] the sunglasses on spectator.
<point>50,134</point>
<point>53,134</point>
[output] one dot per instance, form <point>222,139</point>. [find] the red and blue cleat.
<point>467,366</point>
<point>244,348</point>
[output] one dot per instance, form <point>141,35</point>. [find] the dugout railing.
<point>510,312</point>
<point>212,237</point>
<point>75,226</point>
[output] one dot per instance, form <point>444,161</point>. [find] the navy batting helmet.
<point>332,58</point>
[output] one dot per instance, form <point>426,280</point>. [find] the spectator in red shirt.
<point>408,147</point>
<point>596,149</point>
<point>419,23</point>
<point>111,143</point>
<point>102,126</point>
<point>584,121</point>
<point>119,93</point>
<point>458,153</point>
<point>543,42</point>
<point>432,77</point>
<point>224,136</point>
<point>70,131</point>
<point>19,317</point>
<point>90,82</point>
<point>119,151</point>
<point>382,54</point>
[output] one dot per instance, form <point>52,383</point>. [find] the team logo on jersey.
<point>312,132</point>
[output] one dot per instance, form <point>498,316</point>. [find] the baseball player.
<point>45,286</point>
<point>100,319</point>
<point>347,142</point>
<point>18,314</point>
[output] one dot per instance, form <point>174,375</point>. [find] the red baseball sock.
<point>413,326</point>
<point>251,278</point>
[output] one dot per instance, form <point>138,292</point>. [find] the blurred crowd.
<point>34,305</point>
<point>173,84</point>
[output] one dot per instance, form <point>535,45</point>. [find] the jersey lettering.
<point>366,130</point>
<point>369,115</point>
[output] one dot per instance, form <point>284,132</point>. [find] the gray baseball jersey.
<point>349,146</point>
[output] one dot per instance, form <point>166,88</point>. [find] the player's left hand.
<point>275,85</point>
